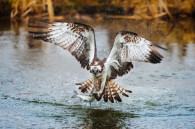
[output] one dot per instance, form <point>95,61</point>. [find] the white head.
<point>96,68</point>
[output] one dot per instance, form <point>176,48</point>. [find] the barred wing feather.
<point>128,47</point>
<point>77,38</point>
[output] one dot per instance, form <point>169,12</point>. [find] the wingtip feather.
<point>156,45</point>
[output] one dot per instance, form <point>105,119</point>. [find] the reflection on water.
<point>107,118</point>
<point>37,80</point>
<point>87,117</point>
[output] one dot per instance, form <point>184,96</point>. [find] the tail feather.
<point>98,98</point>
<point>106,94</point>
<point>110,95</point>
<point>112,90</point>
<point>115,94</point>
<point>122,90</point>
<point>117,97</point>
<point>86,86</point>
<point>84,90</point>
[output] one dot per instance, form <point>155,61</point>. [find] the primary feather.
<point>128,47</point>
<point>78,39</point>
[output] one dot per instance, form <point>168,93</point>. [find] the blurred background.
<point>62,9</point>
<point>37,79</point>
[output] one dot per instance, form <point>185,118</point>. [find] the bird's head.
<point>97,68</point>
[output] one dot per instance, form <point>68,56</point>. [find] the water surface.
<point>37,80</point>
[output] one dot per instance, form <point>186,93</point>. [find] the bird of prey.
<point>79,40</point>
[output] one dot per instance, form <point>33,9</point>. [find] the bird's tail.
<point>112,91</point>
<point>75,94</point>
<point>86,86</point>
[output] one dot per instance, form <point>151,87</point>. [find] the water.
<point>37,80</point>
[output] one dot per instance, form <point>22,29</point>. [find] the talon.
<point>97,95</point>
<point>94,91</point>
<point>94,94</point>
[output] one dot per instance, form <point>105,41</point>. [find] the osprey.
<point>79,40</point>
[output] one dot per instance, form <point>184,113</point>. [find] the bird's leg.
<point>95,86</point>
<point>99,93</point>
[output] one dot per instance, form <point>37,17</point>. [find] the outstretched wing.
<point>78,39</point>
<point>128,47</point>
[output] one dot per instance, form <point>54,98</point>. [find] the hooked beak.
<point>95,72</point>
